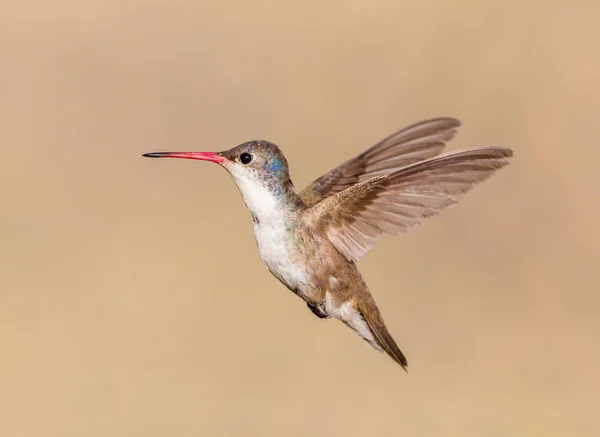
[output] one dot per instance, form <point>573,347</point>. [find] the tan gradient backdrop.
<point>133,301</point>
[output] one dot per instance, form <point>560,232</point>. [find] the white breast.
<point>270,232</point>
<point>273,247</point>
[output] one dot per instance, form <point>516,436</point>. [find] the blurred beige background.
<point>132,298</point>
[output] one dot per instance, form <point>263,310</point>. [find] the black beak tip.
<point>152,155</point>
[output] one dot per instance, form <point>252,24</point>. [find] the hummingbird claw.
<point>318,311</point>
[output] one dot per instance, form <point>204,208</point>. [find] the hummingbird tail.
<point>383,339</point>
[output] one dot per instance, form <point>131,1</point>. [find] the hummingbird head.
<point>258,160</point>
<point>260,171</point>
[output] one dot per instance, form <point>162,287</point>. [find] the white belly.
<point>273,248</point>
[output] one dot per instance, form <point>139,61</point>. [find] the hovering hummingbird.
<point>311,240</point>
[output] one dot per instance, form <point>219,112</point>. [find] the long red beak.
<point>203,156</point>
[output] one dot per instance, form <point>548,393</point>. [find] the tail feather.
<point>363,317</point>
<point>384,339</point>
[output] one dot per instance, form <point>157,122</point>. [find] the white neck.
<point>260,201</point>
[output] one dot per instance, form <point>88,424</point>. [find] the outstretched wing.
<point>353,219</point>
<point>407,146</point>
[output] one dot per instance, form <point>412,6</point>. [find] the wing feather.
<point>409,145</point>
<point>354,218</point>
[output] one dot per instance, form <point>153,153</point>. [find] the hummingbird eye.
<point>245,158</point>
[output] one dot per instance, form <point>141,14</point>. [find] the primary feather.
<point>409,145</point>
<point>354,218</point>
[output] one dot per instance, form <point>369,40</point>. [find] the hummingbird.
<point>311,240</point>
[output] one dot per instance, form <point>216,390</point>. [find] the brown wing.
<point>354,218</point>
<point>407,146</point>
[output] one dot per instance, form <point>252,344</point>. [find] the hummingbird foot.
<point>318,310</point>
